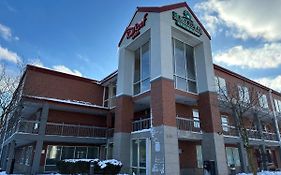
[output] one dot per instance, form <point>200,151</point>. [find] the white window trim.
<point>174,67</point>
<point>148,78</point>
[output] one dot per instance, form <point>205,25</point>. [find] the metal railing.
<point>110,132</point>
<point>59,129</point>
<point>252,133</point>
<point>24,126</point>
<point>188,124</point>
<point>141,124</point>
<point>62,129</point>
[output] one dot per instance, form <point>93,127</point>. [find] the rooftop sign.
<point>134,30</point>
<point>185,22</point>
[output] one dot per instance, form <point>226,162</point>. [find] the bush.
<point>82,166</point>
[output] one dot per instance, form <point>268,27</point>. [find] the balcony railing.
<point>60,129</point>
<point>141,124</point>
<point>252,133</point>
<point>188,124</point>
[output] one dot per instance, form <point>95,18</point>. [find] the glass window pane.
<point>180,59</point>
<point>137,66</point>
<point>67,152</point>
<point>145,85</point>
<point>142,171</point>
<point>136,88</point>
<point>190,62</point>
<point>192,86</point>
<point>53,154</point>
<point>236,156</point>
<point>181,84</point>
<point>142,153</point>
<point>229,156</point>
<point>93,152</point>
<point>110,151</point>
<point>80,152</point>
<point>135,153</point>
<point>145,62</point>
<point>199,156</point>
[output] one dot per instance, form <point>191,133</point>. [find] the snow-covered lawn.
<point>264,173</point>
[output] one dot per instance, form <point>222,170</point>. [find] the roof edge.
<point>243,78</point>
<point>163,9</point>
<point>58,73</point>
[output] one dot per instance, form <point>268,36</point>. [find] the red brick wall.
<point>233,81</point>
<point>209,113</point>
<point>142,114</point>
<point>163,102</point>
<point>47,83</point>
<point>188,157</point>
<point>185,111</point>
<point>124,114</point>
<point>76,118</point>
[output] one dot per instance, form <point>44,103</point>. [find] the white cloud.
<point>8,55</point>
<point>272,82</point>
<point>36,62</point>
<point>6,33</point>
<point>62,68</point>
<point>267,56</point>
<point>243,19</point>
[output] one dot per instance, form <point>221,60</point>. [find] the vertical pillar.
<point>39,143</point>
<point>11,157</point>
<point>213,147</point>
<point>165,155</point>
<point>242,156</point>
<point>124,113</point>
<point>262,146</point>
<point>275,123</point>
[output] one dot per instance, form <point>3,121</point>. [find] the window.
<point>221,86</point>
<point>109,95</point>
<point>232,156</point>
<point>139,156</point>
<point>196,120</point>
<point>199,156</point>
<point>56,153</point>
<point>277,105</point>
<point>224,123</point>
<point>142,69</point>
<point>184,67</point>
<point>263,100</point>
<point>244,94</point>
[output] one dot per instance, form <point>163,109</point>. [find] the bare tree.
<point>10,91</point>
<point>242,101</point>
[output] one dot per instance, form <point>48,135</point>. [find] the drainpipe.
<point>275,122</point>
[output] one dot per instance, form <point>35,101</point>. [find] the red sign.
<point>134,30</point>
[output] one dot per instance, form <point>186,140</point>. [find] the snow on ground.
<point>264,173</point>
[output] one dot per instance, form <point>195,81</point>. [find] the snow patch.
<point>263,173</point>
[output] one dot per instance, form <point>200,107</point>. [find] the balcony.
<point>60,129</point>
<point>141,124</point>
<point>252,133</point>
<point>186,124</point>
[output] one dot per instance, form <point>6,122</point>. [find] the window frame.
<point>196,120</point>
<point>187,79</point>
<point>140,81</point>
<point>225,125</point>
<point>245,97</point>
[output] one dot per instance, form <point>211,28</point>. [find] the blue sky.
<point>81,37</point>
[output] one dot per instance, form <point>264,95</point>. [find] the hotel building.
<point>158,113</point>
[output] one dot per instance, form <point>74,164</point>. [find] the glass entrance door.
<point>139,155</point>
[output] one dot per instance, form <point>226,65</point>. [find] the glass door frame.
<point>147,167</point>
